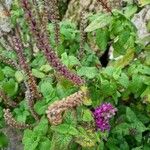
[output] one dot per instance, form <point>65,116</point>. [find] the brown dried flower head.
<point>12,122</point>
<point>55,110</point>
<point>7,100</point>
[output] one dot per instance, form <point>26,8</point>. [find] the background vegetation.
<point>105,50</point>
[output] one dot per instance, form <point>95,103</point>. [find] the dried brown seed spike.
<point>83,24</point>
<point>8,62</point>
<point>53,11</point>
<point>42,41</point>
<point>7,100</point>
<point>29,97</point>
<point>12,122</point>
<point>24,66</point>
<point>55,110</point>
<point>104,4</point>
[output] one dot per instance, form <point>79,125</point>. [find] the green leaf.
<point>3,140</point>
<point>89,72</point>
<point>137,86</point>
<point>70,117</point>
<point>120,43</point>
<point>146,95</point>
<point>131,116</point>
<point>100,22</point>
<point>102,38</point>
<point>47,90</point>
<point>107,88</point>
<point>69,61</point>
<point>41,106</point>
<point>139,126</point>
<point>1,112</point>
<point>64,59</point>
<point>138,148</point>
<point>125,60</point>
<point>61,91</point>
<point>30,140</point>
<point>144,2</point>
<point>46,68</point>
<point>101,146</point>
<point>65,129</point>
<point>111,144</point>
<point>68,30</point>
<point>1,75</point>
<point>45,144</point>
<point>124,80</point>
<point>9,72</point>
<point>87,115</point>
<point>86,138</point>
<point>60,141</point>
<point>122,129</point>
<point>116,73</point>
<point>42,128</point>
<point>130,10</point>
<point>19,76</point>
<point>144,69</point>
<point>37,73</point>
<point>22,116</point>
<point>73,61</point>
<point>10,87</point>
<point>38,61</point>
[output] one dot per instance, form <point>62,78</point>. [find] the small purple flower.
<point>103,114</point>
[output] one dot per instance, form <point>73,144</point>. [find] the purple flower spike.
<point>102,115</point>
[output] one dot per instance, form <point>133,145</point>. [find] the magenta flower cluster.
<point>102,116</point>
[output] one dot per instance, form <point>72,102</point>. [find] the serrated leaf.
<point>100,22</point>
<point>30,140</point>
<point>124,80</point>
<point>130,11</point>
<point>121,129</point>
<point>1,75</point>
<point>9,72</point>
<point>139,126</point>
<point>3,140</point>
<point>19,76</point>
<point>45,144</point>
<point>22,116</point>
<point>65,129</point>
<point>41,106</point>
<point>102,38</point>
<point>70,117</point>
<point>69,61</point>
<point>37,73</point>
<point>47,90</point>
<point>125,60</point>
<point>87,115</point>
<point>89,72</point>
<point>131,116</point>
<point>136,86</point>
<point>73,61</point>
<point>60,141</point>
<point>42,128</point>
<point>46,68</point>
<point>10,87</point>
<point>144,2</point>
<point>146,95</point>
<point>86,139</point>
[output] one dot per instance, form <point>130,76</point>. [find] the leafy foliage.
<point>125,82</point>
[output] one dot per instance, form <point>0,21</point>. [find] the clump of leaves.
<point>124,82</point>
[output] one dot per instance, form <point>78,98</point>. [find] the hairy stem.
<point>43,44</point>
